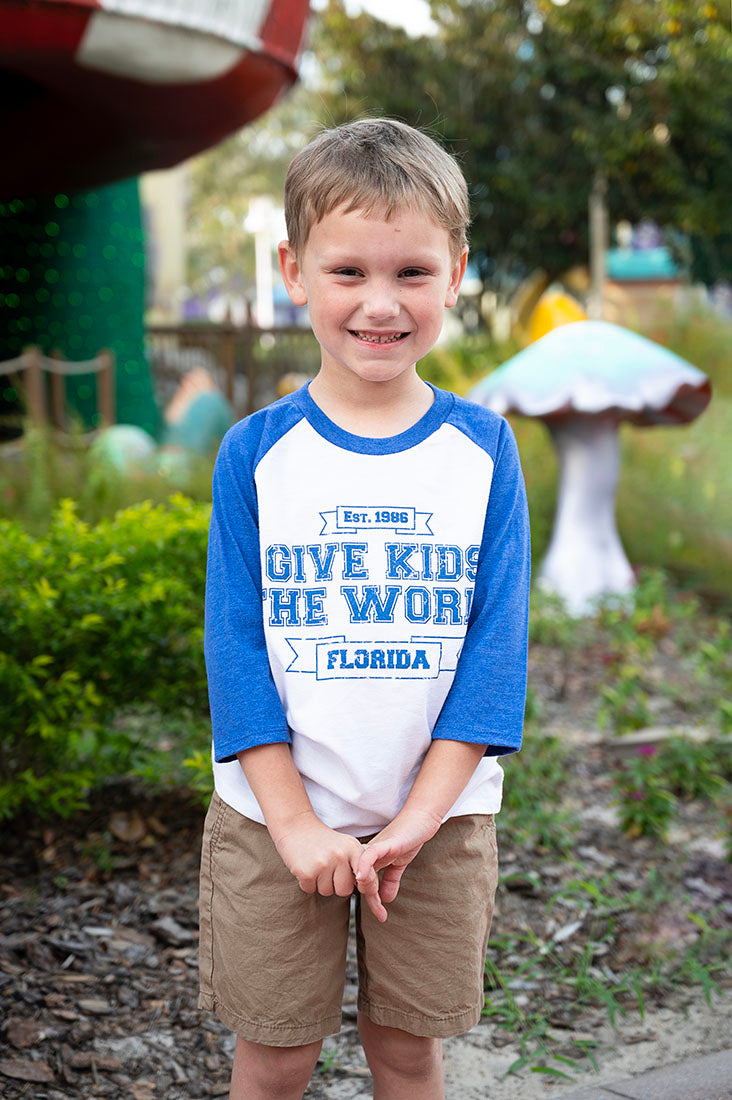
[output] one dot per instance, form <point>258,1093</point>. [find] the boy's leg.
<point>404,1066</point>
<point>272,959</point>
<point>421,973</point>
<point>271,1073</point>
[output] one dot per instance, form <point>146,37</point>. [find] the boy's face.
<point>376,290</point>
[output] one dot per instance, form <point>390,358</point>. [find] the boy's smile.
<point>376,290</point>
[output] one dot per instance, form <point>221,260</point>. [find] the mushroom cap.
<point>594,368</point>
<point>101,90</point>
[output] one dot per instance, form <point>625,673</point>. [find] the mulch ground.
<point>99,955</point>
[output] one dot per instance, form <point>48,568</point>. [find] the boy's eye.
<point>348,271</point>
<point>413,272</point>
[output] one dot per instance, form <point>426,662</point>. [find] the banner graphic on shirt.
<point>349,520</point>
<point>420,658</point>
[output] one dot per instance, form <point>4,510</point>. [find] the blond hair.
<point>375,165</point>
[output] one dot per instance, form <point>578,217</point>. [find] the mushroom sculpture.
<point>582,380</point>
<point>100,90</point>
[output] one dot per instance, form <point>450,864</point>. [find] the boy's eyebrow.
<point>419,258</point>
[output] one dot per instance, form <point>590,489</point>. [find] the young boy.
<point>366,632</point>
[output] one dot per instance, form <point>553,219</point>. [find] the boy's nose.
<point>380,303</point>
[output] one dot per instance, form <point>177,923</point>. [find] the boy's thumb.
<point>370,855</point>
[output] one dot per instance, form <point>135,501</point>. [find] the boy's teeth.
<point>390,339</point>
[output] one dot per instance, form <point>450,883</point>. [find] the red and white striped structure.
<point>97,90</point>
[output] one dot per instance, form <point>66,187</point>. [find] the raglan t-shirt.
<point>365,596</point>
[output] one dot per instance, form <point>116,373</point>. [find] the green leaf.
<point>552,1072</point>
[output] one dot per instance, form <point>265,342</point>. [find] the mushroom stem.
<point>585,559</point>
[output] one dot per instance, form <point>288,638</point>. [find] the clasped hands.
<point>327,862</point>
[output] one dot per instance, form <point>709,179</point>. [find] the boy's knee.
<point>274,1071</point>
<point>399,1052</point>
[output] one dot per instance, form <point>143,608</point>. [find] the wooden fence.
<point>246,361</point>
<point>29,369</point>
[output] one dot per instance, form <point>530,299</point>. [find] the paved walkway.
<point>708,1077</point>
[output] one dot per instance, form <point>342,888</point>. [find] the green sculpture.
<point>72,280</point>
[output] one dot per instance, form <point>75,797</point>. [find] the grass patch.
<point>540,985</point>
<point>532,812</point>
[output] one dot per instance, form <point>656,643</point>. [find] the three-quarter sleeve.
<point>245,706</point>
<point>486,701</point>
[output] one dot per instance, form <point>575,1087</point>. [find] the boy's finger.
<point>369,884</point>
<point>367,881</point>
<point>375,905</point>
<point>370,855</point>
<point>368,888</point>
<point>343,880</point>
<point>390,883</point>
<point>324,883</point>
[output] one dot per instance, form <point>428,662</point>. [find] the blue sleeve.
<point>486,701</point>
<point>245,706</point>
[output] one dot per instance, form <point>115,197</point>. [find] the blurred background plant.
<point>34,480</point>
<point>675,494</point>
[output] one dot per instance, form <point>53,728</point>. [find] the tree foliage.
<point>224,180</point>
<point>535,97</point>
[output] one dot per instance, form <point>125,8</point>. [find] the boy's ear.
<point>291,276</point>
<point>456,278</point>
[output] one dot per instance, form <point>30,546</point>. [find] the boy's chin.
<point>383,374</point>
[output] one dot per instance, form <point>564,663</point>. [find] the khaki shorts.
<point>273,959</point>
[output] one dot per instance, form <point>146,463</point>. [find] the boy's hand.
<point>324,861</point>
<point>393,849</point>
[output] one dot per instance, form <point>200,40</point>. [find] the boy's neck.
<point>376,410</point>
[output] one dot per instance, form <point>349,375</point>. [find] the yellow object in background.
<point>290,382</point>
<point>553,309</point>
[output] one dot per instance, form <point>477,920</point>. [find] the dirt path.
<point>476,1070</point>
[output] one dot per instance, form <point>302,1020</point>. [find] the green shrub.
<point>541,471</point>
<point>624,701</point>
<point>164,749</point>
<point>724,802</point>
<point>95,619</point>
<point>691,769</point>
<point>675,496</point>
<point>645,805</point>
<point>648,784</point>
<point>714,668</point>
